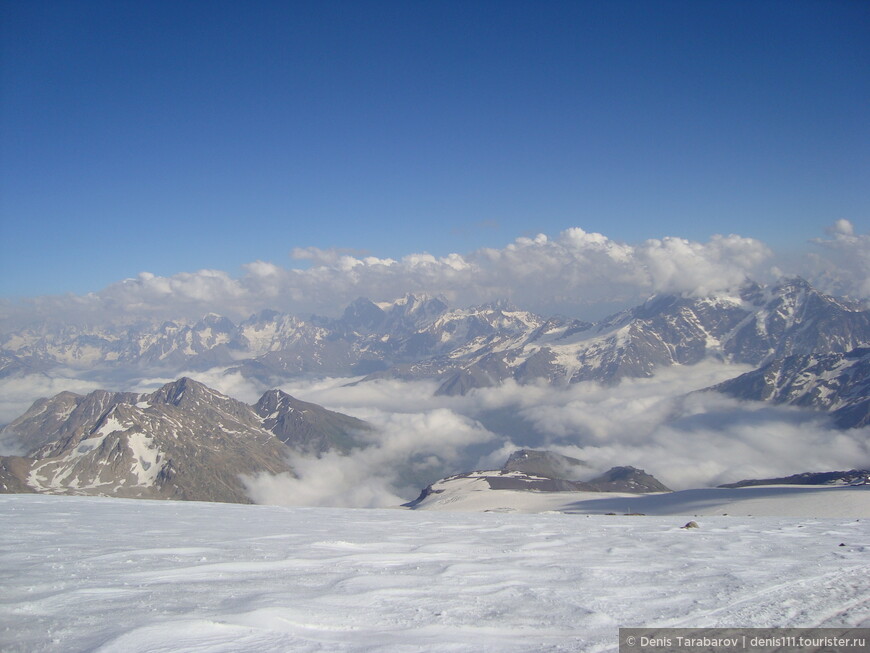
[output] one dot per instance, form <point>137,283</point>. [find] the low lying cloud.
<point>17,393</point>
<point>684,438</point>
<point>715,440</point>
<point>404,449</point>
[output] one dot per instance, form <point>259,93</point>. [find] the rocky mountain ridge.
<point>419,337</point>
<point>182,441</point>
<point>851,477</point>
<point>838,383</point>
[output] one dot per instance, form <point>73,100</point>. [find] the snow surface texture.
<point>471,493</point>
<point>113,575</point>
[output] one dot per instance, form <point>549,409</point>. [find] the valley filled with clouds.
<point>662,424</point>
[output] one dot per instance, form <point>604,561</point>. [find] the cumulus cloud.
<point>841,264</point>
<point>676,265</point>
<point>575,273</point>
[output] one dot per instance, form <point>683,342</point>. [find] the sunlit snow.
<point>112,575</point>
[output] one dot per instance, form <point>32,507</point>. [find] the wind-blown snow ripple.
<point>92,574</point>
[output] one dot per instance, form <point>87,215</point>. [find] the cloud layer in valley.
<point>685,438</point>
<point>576,273</point>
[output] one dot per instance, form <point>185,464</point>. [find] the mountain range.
<point>809,348</point>
<point>183,441</point>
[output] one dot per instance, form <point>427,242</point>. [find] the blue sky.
<point>170,137</point>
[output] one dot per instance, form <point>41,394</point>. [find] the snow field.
<point>113,575</point>
<point>472,494</point>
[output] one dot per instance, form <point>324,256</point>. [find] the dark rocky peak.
<point>263,317</point>
<point>627,479</point>
<point>216,322</point>
<point>657,305</point>
<point>93,405</point>
<point>307,427</point>
<point>752,292</point>
<point>798,293</point>
<point>275,400</point>
<point>545,463</point>
<point>654,307</point>
<point>792,286</point>
<point>363,315</point>
<point>184,391</point>
<point>65,417</point>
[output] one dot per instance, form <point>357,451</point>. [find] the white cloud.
<point>404,449</point>
<point>841,266</point>
<point>17,393</point>
<point>574,273</point>
<point>676,265</point>
<point>685,440</point>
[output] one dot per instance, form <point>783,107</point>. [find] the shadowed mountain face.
<point>183,441</point>
<point>307,427</point>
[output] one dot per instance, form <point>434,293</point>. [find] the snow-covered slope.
<point>416,338</point>
<point>754,327</point>
<point>836,382</point>
<point>113,575</point>
<point>544,481</point>
<point>464,347</point>
<point>472,493</point>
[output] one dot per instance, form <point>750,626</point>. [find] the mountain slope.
<point>418,337</point>
<point>307,427</point>
<point>758,325</point>
<point>838,383</point>
<point>183,441</point>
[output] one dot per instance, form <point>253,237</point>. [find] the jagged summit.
<point>419,337</point>
<point>308,427</point>
<point>182,441</point>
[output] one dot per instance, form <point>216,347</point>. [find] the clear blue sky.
<point>173,136</point>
